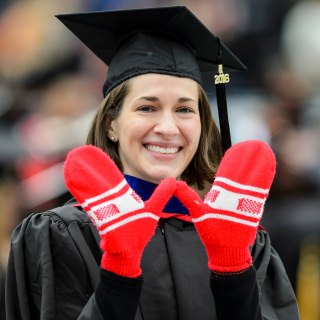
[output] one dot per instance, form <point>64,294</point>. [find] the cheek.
<point>193,132</point>
<point>132,132</point>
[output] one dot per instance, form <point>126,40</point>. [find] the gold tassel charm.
<point>221,77</point>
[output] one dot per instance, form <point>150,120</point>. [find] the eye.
<point>185,109</point>
<point>146,108</point>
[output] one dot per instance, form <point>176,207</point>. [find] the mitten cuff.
<point>126,264</point>
<point>229,260</point>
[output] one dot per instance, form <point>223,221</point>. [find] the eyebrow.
<point>156,99</point>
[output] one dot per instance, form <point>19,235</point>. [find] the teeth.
<point>162,149</point>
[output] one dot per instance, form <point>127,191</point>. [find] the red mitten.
<point>125,223</point>
<point>228,219</point>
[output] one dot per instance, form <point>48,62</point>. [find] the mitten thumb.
<point>189,198</point>
<point>162,194</point>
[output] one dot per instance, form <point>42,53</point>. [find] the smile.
<point>162,150</point>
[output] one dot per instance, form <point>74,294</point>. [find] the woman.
<point>162,253</point>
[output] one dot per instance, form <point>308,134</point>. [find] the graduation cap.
<point>165,40</point>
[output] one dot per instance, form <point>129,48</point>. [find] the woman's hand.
<point>228,218</point>
<point>125,223</point>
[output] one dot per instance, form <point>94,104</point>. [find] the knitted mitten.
<point>228,219</point>
<point>124,222</point>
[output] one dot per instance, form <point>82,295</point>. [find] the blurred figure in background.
<point>293,117</point>
<point>2,293</point>
<point>38,66</point>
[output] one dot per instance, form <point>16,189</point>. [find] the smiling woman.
<point>146,245</point>
<point>164,96</point>
<point>158,128</point>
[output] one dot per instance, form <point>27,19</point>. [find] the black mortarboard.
<point>167,40</point>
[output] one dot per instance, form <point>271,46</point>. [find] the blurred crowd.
<point>50,86</point>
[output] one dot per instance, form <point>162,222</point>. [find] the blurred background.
<point>51,85</point>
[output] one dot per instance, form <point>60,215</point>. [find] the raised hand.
<point>228,218</point>
<point>125,223</point>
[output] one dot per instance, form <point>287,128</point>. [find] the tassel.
<point>221,79</point>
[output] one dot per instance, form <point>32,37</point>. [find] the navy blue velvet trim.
<point>144,189</point>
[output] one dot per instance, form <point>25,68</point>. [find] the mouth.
<point>162,150</point>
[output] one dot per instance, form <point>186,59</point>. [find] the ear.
<point>112,132</point>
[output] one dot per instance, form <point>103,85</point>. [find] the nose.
<point>166,124</point>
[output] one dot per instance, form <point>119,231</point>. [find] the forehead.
<point>162,84</point>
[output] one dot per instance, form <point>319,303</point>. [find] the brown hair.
<point>203,165</point>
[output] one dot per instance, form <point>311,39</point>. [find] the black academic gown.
<point>54,262</point>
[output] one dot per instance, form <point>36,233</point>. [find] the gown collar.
<point>145,189</point>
